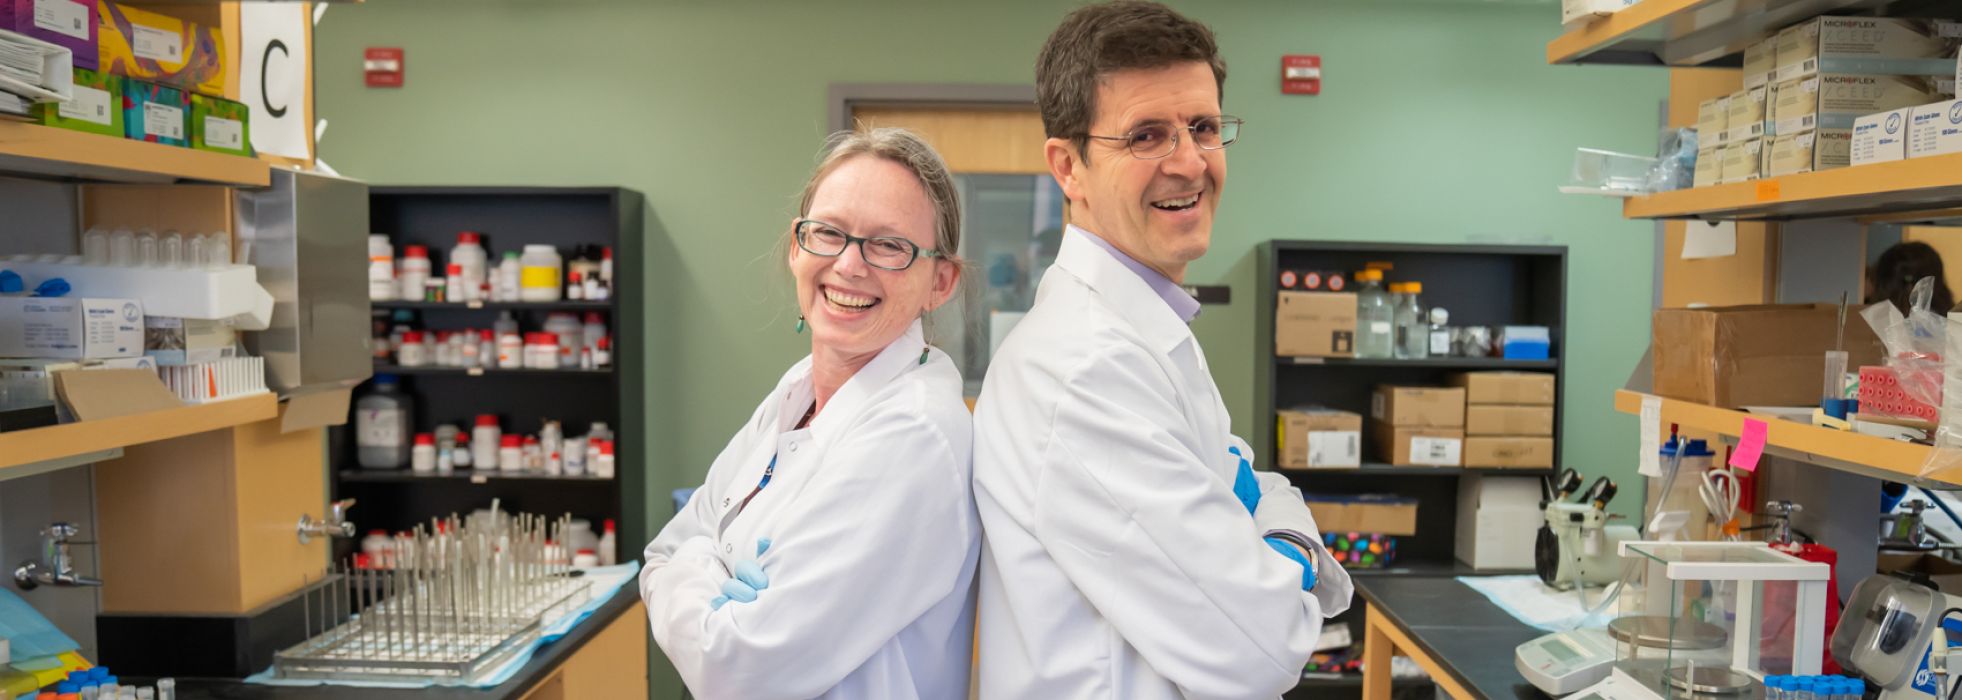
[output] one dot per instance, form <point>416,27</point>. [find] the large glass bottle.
<point>382,420</point>
<point>1375,317</point>
<point>1413,329</point>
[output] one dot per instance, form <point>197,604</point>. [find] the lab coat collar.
<point>902,353</point>
<point>1128,293</point>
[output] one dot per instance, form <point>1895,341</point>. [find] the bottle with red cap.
<point>484,439</point>
<point>608,543</point>
<point>534,454</point>
<point>603,467</point>
<point>414,352</point>
<point>541,350</point>
<point>575,286</point>
<point>510,454</point>
<point>422,457</point>
<point>412,272</point>
<point>472,264</point>
<point>453,283</point>
<point>603,355</point>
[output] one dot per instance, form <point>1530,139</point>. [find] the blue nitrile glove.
<point>1245,487</point>
<point>1288,550</point>
<point>748,580</point>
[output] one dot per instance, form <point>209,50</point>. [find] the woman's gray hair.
<point>908,149</point>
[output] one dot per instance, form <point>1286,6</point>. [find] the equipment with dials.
<point>1888,635</point>
<point>1577,545</point>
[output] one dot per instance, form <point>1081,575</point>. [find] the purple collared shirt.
<point>1174,295</point>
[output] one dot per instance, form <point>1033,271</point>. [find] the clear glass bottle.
<point>1375,318</point>
<point>1440,330</point>
<point>1413,328</point>
<point>382,420</point>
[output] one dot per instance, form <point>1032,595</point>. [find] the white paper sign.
<point>1709,239</point>
<point>220,132</point>
<point>163,121</point>
<point>156,44</point>
<point>62,17</point>
<point>1651,463</point>
<point>89,104</point>
<point>273,76</point>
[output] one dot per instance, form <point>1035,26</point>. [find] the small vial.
<point>95,247</point>
<point>166,689</point>
<point>91,692</point>
<point>146,693</point>
<point>170,252</point>
<point>193,251</point>
<point>122,248</point>
<point>146,249</point>
<point>217,251</point>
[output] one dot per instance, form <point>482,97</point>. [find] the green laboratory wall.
<point>1439,122</point>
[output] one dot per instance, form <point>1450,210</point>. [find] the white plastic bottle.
<point>473,261</point>
<point>538,278</point>
<point>1413,330</point>
<point>484,439</point>
<point>506,324</point>
<point>381,268</point>
<point>570,334</point>
<point>422,458</point>
<point>1375,322</point>
<point>510,454</point>
<point>603,467</point>
<point>509,273</point>
<point>595,329</point>
<point>575,456</point>
<point>607,544</point>
<point>487,350</point>
<point>412,273</point>
<point>603,353</point>
<point>1440,332</point>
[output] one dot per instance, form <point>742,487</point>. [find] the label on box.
<point>89,104</point>
<point>163,121</point>
<point>220,132</point>
<point>1436,452</point>
<point>63,17</point>
<point>1334,448</point>
<point>156,44</point>
<point>1935,129</point>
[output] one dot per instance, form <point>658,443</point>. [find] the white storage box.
<point>70,328</point>
<point>1498,517</point>
<point>1935,129</point>
<point>1882,137</point>
<point>231,293</point>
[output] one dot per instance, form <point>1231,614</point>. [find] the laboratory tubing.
<point>510,454</point>
<point>1375,324</point>
<point>484,439</point>
<point>575,287</point>
<point>538,278</point>
<point>472,262</point>
<point>381,268</point>
<point>413,352</point>
<point>607,543</point>
<point>381,425</point>
<point>603,468</point>
<point>422,457</point>
<point>510,272</point>
<point>1413,329</point>
<point>413,272</point>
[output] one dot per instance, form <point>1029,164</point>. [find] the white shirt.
<point>1116,561</point>
<point>874,543</point>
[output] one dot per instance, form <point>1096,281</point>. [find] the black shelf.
<point>470,476</point>
<point>1471,363</point>
<point>496,305</point>
<point>1370,469</point>
<point>486,372</point>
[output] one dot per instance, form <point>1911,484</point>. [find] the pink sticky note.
<point>1750,446</point>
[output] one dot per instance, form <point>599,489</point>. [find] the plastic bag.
<point>1914,342</point>
<point>1675,163</point>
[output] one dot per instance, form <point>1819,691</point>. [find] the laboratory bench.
<point>604,656</point>
<point>1455,633</point>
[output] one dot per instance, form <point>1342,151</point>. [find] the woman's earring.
<point>800,323</point>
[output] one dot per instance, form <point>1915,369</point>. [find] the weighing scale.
<point>1566,662</point>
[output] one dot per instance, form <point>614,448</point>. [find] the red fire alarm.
<point>1301,75</point>
<point>383,66</point>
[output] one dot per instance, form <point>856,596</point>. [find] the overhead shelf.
<point>1479,363</point>
<point>25,448</point>
<point>1688,33</point>
<point>1912,185</point>
<point>1858,453</point>
<point>33,150</point>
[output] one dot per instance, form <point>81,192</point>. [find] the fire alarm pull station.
<point>383,66</point>
<point>1301,75</point>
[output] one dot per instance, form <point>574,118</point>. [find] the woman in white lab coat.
<point>832,549</point>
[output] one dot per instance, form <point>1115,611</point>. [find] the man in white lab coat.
<point>1128,551</point>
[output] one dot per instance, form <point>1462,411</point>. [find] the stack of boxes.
<point>1418,426</point>
<point>1508,419</point>
<point>137,74</point>
<point>1834,70</point>
<point>1932,129</point>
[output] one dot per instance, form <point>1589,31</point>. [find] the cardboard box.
<point>70,24</point>
<point>1498,518</point>
<point>1836,100</point>
<point>1418,407</point>
<point>1318,439</point>
<point>1509,452</point>
<point>220,125</point>
<point>1419,447</point>
<point>1942,572</point>
<point>155,113</point>
<point>179,341</point>
<point>1745,120</point>
<point>1481,420</point>
<point>1809,152</point>
<point>1386,515</point>
<point>1735,356</point>
<point>1513,388</point>
<point>1881,137</point>
<point>97,106</point>
<point>1743,161</point>
<point>1709,166</point>
<point>1760,62</point>
<point>152,47</point>
<point>1881,45</point>
<point>70,328</point>
<point>1935,129</point>
<point>1315,324</point>
<point>1712,122</point>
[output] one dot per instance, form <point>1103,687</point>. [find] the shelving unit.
<point>1688,33</point>
<point>1858,453</point>
<point>23,448</point>
<point>1481,286</point>
<point>522,399</point>
<point>49,152</point>
<point>1912,185</point>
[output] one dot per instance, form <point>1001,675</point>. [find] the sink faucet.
<point>335,524</point>
<point>57,567</point>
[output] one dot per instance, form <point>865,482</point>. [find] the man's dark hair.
<point>1097,40</point>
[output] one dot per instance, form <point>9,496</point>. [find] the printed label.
<point>163,121</point>
<point>1440,344</point>
<point>1382,327</point>
<point>90,105</point>
<point>539,277</point>
<point>65,17</point>
<point>1334,449</point>
<point>1435,452</point>
<point>220,132</point>
<point>156,44</point>
<point>379,428</point>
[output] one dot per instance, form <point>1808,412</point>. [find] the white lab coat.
<point>874,544</point>
<point>1116,561</point>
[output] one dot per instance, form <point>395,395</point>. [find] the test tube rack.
<point>462,596</point>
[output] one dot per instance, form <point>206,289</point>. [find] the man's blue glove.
<point>748,580</point>
<point>1288,550</point>
<point>1245,487</point>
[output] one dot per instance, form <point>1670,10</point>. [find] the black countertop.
<point>543,661</point>
<point>1458,628</point>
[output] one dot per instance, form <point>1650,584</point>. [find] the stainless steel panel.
<point>308,235</point>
